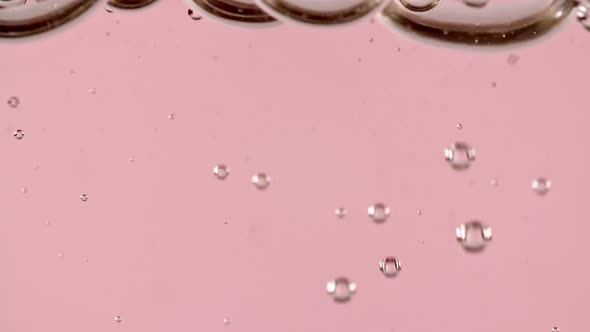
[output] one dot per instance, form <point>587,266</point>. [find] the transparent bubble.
<point>221,171</point>
<point>476,3</point>
<point>477,24</point>
<point>130,4</point>
<point>83,197</point>
<point>555,329</point>
<point>13,102</point>
<point>118,319</point>
<point>419,212</point>
<point>261,181</point>
<point>341,289</point>
<point>226,321</point>
<point>459,126</point>
<point>379,212</point>
<point>460,155</point>
<point>419,5</point>
<point>320,12</point>
<point>541,185</point>
<point>171,116</point>
<point>19,134</point>
<point>390,266</point>
<point>473,235</point>
<point>341,212</point>
<point>38,16</point>
<point>242,11</point>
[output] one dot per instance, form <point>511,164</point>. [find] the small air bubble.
<point>92,90</point>
<point>473,235</point>
<point>24,190</point>
<point>379,212</point>
<point>84,197</point>
<point>221,171</point>
<point>555,329</point>
<point>459,126</point>
<point>118,319</point>
<point>226,321</point>
<point>541,185</point>
<point>19,134</point>
<point>390,266</point>
<point>341,289</point>
<point>261,181</point>
<point>494,84</point>
<point>171,116</point>
<point>371,40</point>
<point>13,102</point>
<point>494,182</point>
<point>419,212</point>
<point>460,155</point>
<point>341,212</point>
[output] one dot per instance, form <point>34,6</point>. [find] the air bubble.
<point>171,116</point>
<point>460,155</point>
<point>221,171</point>
<point>390,266</point>
<point>341,212</point>
<point>341,289</point>
<point>473,235</point>
<point>226,321</point>
<point>419,5</point>
<point>379,212</point>
<point>13,102</point>
<point>83,197</point>
<point>118,319</point>
<point>19,134</point>
<point>459,126</point>
<point>541,185</point>
<point>261,181</point>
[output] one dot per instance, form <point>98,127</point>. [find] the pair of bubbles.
<point>473,22</point>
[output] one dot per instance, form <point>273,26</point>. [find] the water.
<point>460,155</point>
<point>261,181</point>
<point>379,212</point>
<point>541,185</point>
<point>473,235</point>
<point>341,289</point>
<point>390,266</point>
<point>13,102</point>
<point>19,134</point>
<point>221,171</point>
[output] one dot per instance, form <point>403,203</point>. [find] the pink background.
<point>150,243</point>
